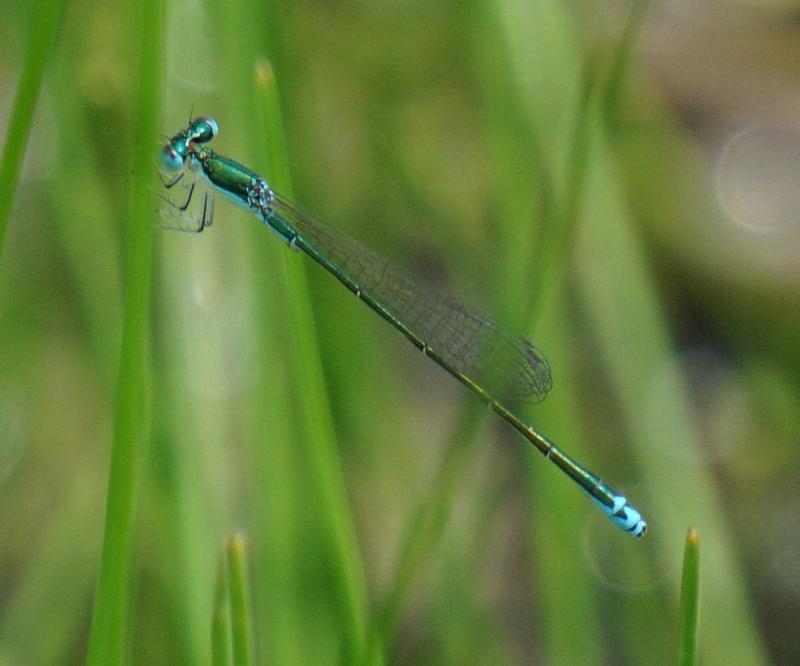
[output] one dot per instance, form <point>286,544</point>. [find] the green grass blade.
<point>240,602</point>
<point>628,320</point>
<point>515,143</point>
<point>556,243</point>
<point>276,453</point>
<point>617,313</point>
<point>221,648</point>
<point>569,627</point>
<point>319,438</point>
<point>689,610</point>
<point>46,21</point>
<point>621,299</point>
<point>515,140</point>
<point>107,640</point>
<point>621,61</point>
<point>274,143</point>
<point>424,531</point>
<point>88,234</point>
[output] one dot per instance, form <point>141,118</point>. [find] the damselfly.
<point>497,365</point>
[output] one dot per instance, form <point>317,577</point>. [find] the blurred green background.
<point>617,181</point>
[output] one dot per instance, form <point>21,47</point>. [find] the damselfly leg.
<point>187,220</point>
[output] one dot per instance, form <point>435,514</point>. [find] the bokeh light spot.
<point>756,179</point>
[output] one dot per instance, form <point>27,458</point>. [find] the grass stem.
<point>46,21</point>
<point>689,611</point>
<point>108,642</point>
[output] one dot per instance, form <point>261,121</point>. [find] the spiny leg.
<point>167,183</point>
<point>188,222</point>
<point>208,211</point>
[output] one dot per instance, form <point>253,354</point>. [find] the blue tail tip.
<point>626,516</point>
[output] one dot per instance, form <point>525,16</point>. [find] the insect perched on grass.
<point>496,364</point>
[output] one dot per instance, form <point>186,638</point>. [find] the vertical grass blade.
<point>317,429</point>
<point>519,205</point>
<point>274,144</point>
<point>46,20</point>
<point>621,61</point>
<point>424,531</point>
<point>690,601</point>
<point>571,627</point>
<point>622,306</point>
<point>276,453</point>
<point>515,141</point>
<point>221,648</point>
<point>107,639</point>
<point>240,602</point>
<point>634,340</point>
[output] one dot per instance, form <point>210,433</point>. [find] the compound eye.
<point>171,159</point>
<point>203,130</point>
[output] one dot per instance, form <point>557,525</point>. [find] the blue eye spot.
<point>170,158</point>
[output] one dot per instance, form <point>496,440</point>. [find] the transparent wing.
<point>504,364</point>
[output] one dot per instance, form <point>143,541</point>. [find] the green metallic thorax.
<point>232,179</point>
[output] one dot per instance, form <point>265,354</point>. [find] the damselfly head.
<point>175,151</point>
<point>178,148</point>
